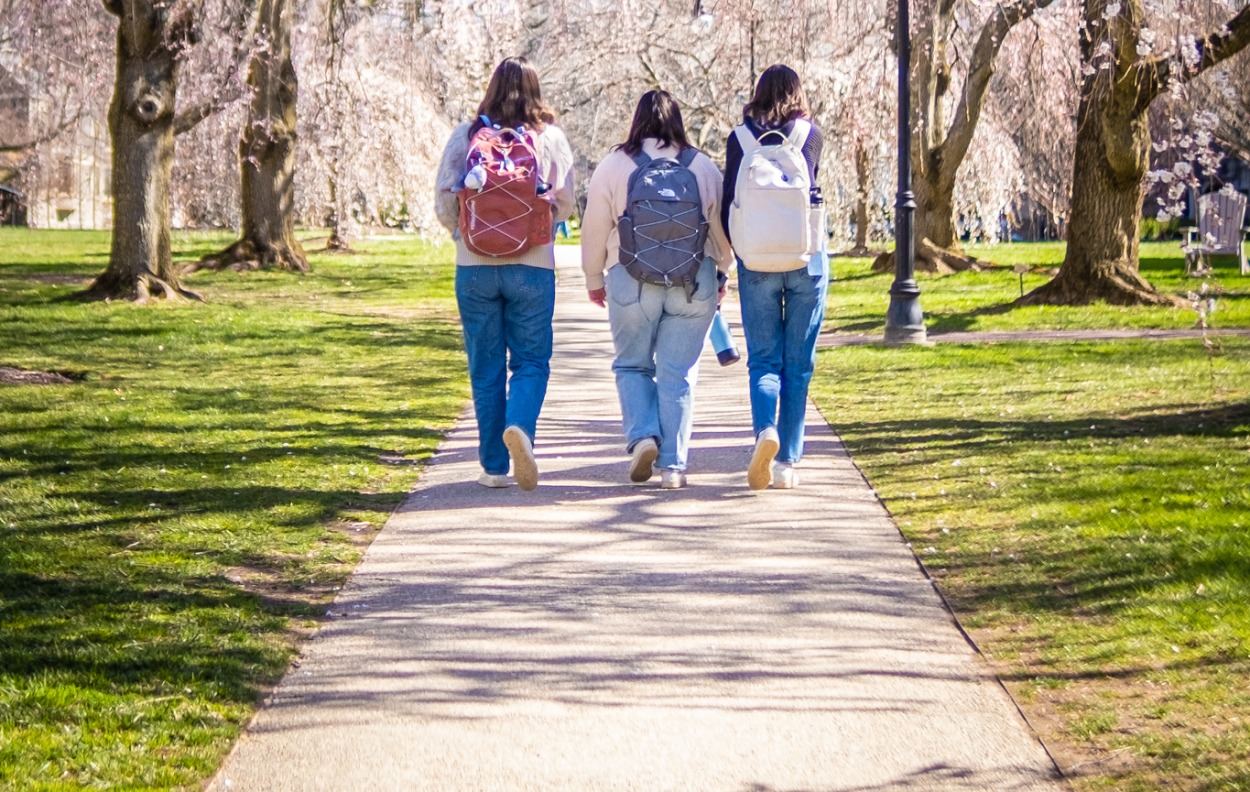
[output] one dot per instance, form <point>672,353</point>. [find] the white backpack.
<point>770,220</point>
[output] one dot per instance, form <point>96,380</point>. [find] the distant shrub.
<point>1154,230</point>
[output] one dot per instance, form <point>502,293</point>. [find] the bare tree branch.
<point>952,150</point>
<point>1213,48</point>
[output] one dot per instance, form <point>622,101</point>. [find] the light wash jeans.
<point>506,313</point>
<point>781,317</point>
<point>658,337</point>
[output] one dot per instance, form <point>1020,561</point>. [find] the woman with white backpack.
<point>774,216</point>
<point>652,221</point>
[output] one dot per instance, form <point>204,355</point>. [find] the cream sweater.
<point>556,160</point>
<point>605,202</point>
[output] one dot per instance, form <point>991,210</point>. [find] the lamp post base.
<point>904,322</point>
<point>898,336</point>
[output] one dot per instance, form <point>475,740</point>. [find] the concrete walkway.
<point>597,635</point>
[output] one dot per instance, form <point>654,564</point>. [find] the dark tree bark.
<point>938,151</point>
<point>862,175</point>
<point>151,36</point>
<point>267,156</point>
<point>336,216</point>
<point>1112,155</point>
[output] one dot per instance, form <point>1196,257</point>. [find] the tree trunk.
<point>267,156</point>
<point>1112,154</point>
<point>151,36</point>
<point>1102,254</point>
<point>337,219</point>
<point>938,151</point>
<point>862,165</point>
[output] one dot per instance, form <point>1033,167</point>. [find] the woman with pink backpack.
<point>505,178</point>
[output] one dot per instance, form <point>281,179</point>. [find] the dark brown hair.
<point>657,116</point>
<point>514,98</point>
<point>778,98</point>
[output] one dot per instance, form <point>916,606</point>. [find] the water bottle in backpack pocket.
<point>505,208</point>
<point>771,220</point>
<point>663,230</point>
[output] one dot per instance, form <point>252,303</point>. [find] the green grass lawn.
<point>979,300</point>
<point>173,520</point>
<point>1086,510</point>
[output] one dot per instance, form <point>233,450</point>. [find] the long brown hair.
<point>514,98</point>
<point>778,99</point>
<point>657,116</point>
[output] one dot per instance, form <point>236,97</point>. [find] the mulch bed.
<point>17,376</point>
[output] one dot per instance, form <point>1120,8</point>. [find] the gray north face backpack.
<point>663,230</point>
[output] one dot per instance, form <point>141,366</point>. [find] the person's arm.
<point>560,173</point>
<point>598,224</point>
<point>812,149</point>
<point>711,185</point>
<point>733,161</point>
<point>450,177</point>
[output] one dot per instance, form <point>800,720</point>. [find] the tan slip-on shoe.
<point>760,471</point>
<point>524,468</point>
<point>642,460</point>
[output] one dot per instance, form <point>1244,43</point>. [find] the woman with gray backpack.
<point>655,254</point>
<point>774,214</point>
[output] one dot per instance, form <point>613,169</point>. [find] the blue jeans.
<point>506,313</point>
<point>781,317</point>
<point>658,336</point>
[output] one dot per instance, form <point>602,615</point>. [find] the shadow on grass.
<point>1104,567</point>
<point>62,624</point>
<point>1232,420</point>
<point>966,320</point>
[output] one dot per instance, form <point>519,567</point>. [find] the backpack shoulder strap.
<point>802,129</point>
<point>745,139</point>
<point>641,159</point>
<point>686,157</point>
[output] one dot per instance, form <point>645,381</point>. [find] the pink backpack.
<point>505,208</point>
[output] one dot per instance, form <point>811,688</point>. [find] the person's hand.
<point>598,297</point>
<point>722,287</point>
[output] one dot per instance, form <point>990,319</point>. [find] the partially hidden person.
<point>505,179</point>
<point>774,214</point>
<point>654,253</point>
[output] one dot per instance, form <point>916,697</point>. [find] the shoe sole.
<point>782,483</point>
<point>524,468</point>
<point>642,466</point>
<point>674,484</point>
<point>760,473</point>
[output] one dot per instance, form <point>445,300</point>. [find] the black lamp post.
<point>904,322</point>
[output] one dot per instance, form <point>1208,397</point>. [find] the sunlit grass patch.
<point>1086,510</point>
<point>858,297</point>
<point>174,518</point>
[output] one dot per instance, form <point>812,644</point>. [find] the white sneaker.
<point>672,479</point>
<point>524,468</point>
<point>494,480</point>
<point>760,472</point>
<point>785,476</point>
<point>642,460</point>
